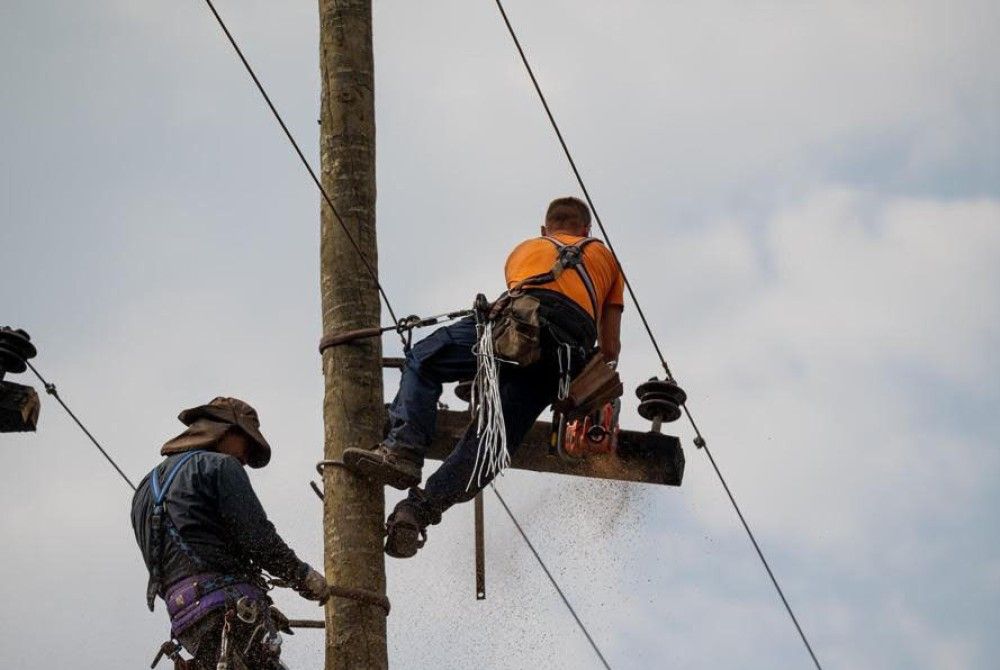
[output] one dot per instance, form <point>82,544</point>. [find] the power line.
<point>51,390</point>
<point>302,157</point>
<point>699,438</point>
<point>583,187</point>
<point>385,297</point>
<point>552,579</point>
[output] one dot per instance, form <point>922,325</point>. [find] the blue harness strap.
<point>160,493</point>
<point>160,522</point>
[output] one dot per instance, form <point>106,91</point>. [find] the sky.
<point>806,197</point>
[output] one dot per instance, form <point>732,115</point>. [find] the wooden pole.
<point>353,508</point>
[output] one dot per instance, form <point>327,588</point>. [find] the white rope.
<point>492,456</point>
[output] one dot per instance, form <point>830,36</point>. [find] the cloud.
<point>805,199</point>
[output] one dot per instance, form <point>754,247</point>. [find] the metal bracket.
<point>480,548</point>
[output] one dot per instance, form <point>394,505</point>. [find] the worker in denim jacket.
<point>206,539</point>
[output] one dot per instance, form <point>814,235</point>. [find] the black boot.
<point>406,527</point>
<point>384,465</point>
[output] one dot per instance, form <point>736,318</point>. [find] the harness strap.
<point>161,522</point>
<point>567,255</point>
<point>160,493</point>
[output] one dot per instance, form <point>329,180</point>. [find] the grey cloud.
<point>805,199</point>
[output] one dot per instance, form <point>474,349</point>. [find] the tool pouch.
<point>596,385</point>
<point>517,328</point>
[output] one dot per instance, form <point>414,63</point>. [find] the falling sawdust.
<point>579,524</point>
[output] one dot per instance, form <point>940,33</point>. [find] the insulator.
<point>15,349</point>
<point>665,389</point>
<point>660,400</point>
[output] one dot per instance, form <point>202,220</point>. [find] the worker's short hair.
<point>567,211</point>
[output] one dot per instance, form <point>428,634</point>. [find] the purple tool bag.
<point>191,598</point>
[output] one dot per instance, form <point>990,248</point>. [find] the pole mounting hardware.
<point>15,350</point>
<point>660,401</point>
<point>19,404</point>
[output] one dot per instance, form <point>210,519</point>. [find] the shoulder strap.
<point>567,255</point>
<point>159,493</point>
<point>159,523</point>
<point>576,262</point>
<point>588,284</point>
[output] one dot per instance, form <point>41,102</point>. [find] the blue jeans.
<point>446,356</point>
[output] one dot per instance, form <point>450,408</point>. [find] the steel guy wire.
<point>699,438</point>
<point>302,157</point>
<point>552,579</point>
<point>51,390</point>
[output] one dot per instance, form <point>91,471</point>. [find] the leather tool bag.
<point>517,328</point>
<point>596,385</point>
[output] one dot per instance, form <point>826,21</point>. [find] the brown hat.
<point>208,423</point>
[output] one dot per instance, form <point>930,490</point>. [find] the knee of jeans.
<point>420,358</point>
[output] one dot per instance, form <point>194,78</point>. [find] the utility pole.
<point>354,509</point>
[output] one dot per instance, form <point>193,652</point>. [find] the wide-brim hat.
<point>207,424</point>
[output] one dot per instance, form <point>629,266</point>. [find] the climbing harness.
<point>511,330</point>
<point>567,256</point>
<point>192,598</point>
<point>517,330</point>
<point>161,523</point>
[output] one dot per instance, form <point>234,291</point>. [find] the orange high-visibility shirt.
<point>536,256</point>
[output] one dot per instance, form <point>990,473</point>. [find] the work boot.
<point>406,530</point>
<point>384,465</point>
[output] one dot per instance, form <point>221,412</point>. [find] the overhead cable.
<point>552,579</point>
<point>302,157</point>
<point>699,439</point>
<point>52,391</point>
<point>374,277</point>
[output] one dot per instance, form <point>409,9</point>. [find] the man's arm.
<point>249,526</point>
<point>610,335</point>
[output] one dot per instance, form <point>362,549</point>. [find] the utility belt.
<point>192,598</point>
<point>528,321</point>
<point>586,382</point>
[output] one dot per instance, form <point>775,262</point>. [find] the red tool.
<point>596,433</point>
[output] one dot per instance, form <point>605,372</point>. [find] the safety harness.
<point>567,256</point>
<point>191,598</point>
<point>161,524</point>
<point>510,330</point>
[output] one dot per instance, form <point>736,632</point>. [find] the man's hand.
<point>314,587</point>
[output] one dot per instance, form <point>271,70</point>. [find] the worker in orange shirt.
<point>575,309</point>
